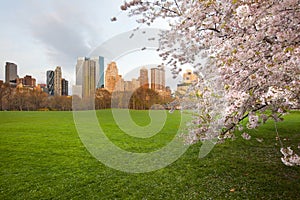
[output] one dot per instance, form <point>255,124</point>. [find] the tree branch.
<point>210,29</point>
<point>167,9</point>
<point>178,7</point>
<point>241,119</point>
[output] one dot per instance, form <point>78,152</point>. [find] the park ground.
<point>42,157</point>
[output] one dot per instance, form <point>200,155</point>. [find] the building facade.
<point>86,76</point>
<point>57,81</point>
<point>64,87</point>
<point>79,68</point>
<point>135,84</point>
<point>89,78</point>
<point>11,73</point>
<point>50,82</point>
<point>131,86</point>
<point>144,81</point>
<point>188,78</point>
<point>158,81</point>
<point>27,81</point>
<point>113,81</point>
<point>99,60</point>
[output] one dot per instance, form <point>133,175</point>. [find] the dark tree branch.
<point>210,29</point>
<point>241,119</point>
<point>178,7</point>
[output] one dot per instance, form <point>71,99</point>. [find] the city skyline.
<point>54,85</point>
<point>126,79</point>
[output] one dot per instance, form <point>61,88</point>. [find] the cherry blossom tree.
<point>252,47</point>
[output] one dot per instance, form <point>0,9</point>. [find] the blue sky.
<point>39,35</point>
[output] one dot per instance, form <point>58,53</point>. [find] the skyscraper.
<point>99,71</point>
<point>79,67</point>
<point>57,81</point>
<point>158,78</point>
<point>86,76</point>
<point>50,82</point>
<point>64,87</point>
<point>89,78</point>
<point>113,81</point>
<point>11,73</point>
<point>144,82</point>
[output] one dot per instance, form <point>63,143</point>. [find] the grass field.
<point>42,157</point>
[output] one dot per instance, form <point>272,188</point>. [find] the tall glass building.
<point>86,76</point>
<point>50,82</point>
<point>99,71</point>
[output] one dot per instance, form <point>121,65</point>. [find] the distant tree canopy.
<point>29,99</point>
<point>140,99</point>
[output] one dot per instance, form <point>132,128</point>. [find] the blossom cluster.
<point>289,157</point>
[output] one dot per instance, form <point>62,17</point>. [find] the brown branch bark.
<point>241,119</point>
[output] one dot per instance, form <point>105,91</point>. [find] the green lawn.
<point>42,157</point>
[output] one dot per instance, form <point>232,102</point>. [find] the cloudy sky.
<point>40,35</point>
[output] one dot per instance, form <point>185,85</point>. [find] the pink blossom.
<point>246,136</point>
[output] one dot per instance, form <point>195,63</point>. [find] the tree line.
<point>140,99</point>
<point>32,99</point>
